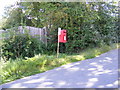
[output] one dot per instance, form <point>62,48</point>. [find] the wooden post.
<point>59,29</point>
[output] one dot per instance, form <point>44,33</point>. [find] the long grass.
<point>12,70</point>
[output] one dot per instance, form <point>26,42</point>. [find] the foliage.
<point>88,24</point>
<point>22,45</point>
<point>13,17</point>
<point>12,70</point>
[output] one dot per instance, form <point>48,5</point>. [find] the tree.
<point>88,24</point>
<point>13,17</point>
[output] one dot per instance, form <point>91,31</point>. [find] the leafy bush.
<point>85,28</point>
<point>12,70</point>
<point>22,45</point>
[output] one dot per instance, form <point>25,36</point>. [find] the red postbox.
<point>62,36</point>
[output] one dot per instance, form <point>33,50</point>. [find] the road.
<point>99,72</point>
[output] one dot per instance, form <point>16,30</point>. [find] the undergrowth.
<point>15,69</point>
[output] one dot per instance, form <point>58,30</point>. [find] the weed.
<point>15,69</point>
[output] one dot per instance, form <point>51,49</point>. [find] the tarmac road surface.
<point>98,72</point>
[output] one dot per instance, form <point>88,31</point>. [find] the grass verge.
<point>12,70</point>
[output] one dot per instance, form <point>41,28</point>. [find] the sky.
<point>4,3</point>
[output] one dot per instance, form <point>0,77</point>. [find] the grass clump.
<point>15,69</point>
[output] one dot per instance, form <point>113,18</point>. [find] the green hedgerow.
<point>21,46</point>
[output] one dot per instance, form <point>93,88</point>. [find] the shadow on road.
<point>99,72</point>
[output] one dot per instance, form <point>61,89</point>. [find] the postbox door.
<point>62,36</point>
